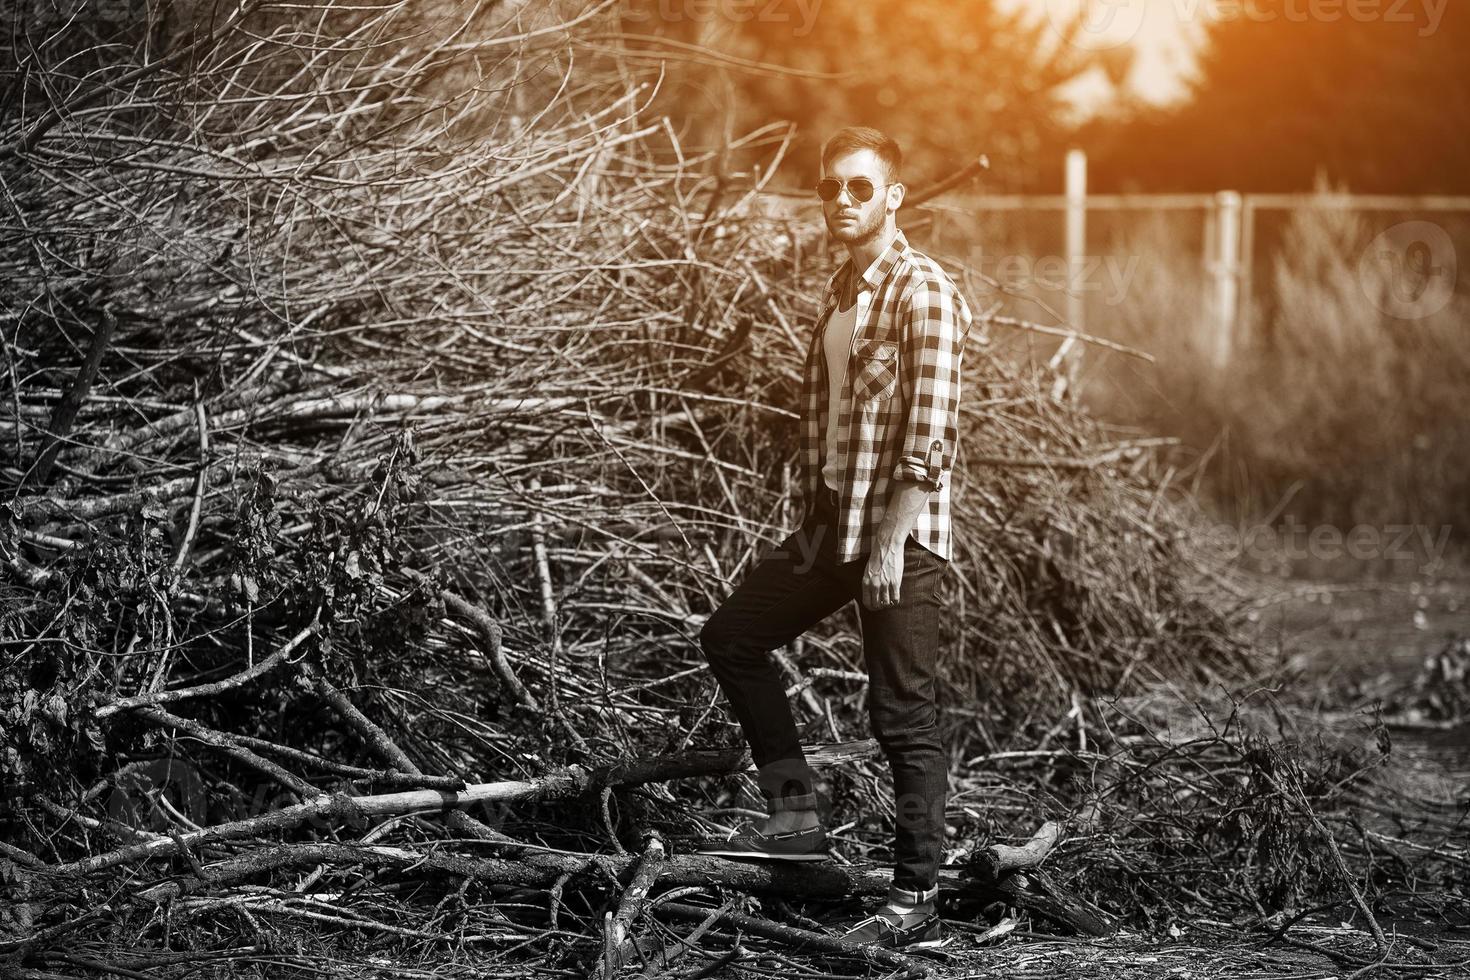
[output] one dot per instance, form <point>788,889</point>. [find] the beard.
<point>864,229</point>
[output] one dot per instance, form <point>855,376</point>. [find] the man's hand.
<point>883,576</point>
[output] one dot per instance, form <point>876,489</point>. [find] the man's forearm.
<point>905,500</point>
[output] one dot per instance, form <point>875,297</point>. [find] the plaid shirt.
<point>898,412</point>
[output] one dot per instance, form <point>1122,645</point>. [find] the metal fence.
<point>1229,238</point>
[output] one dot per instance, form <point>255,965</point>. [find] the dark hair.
<point>852,138</point>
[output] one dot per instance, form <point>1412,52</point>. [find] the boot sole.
<point>929,944</point>
<point>755,856</point>
<point>924,945</point>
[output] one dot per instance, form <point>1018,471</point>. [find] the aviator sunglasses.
<point>861,188</point>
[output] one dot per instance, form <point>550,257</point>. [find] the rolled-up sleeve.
<point>934,321</point>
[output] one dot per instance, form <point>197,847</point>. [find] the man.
<point>878,432</point>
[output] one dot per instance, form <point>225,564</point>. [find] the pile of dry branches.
<point>388,401</point>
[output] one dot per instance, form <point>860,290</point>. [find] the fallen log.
<point>1014,871</point>
<point>994,874</point>
<point>545,869</point>
<point>1038,893</point>
<point>329,808</point>
<point>541,869</point>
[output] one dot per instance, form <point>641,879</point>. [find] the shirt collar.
<point>878,271</point>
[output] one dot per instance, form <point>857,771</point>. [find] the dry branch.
<point>213,688</point>
<point>618,929</point>
<point>799,939</point>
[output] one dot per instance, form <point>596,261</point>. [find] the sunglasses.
<point>861,189</point>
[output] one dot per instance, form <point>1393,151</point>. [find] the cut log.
<point>545,869</point>
<point>994,874</point>
<point>998,860</point>
<point>1014,871</point>
<point>1038,893</point>
<point>560,784</point>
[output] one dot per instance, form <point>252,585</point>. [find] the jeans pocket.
<point>941,572</point>
<point>925,566</point>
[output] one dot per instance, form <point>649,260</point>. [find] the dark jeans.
<point>793,588</point>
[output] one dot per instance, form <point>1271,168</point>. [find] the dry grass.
<point>1331,413</point>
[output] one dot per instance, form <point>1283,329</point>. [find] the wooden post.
<point>1226,272</point>
<point>1243,324</point>
<point>1076,236</point>
<point>1065,360</point>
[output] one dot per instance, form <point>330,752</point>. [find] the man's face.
<point>849,220</point>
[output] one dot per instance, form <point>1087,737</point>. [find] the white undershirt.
<point>837,344</point>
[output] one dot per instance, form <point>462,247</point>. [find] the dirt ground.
<point>1358,632</point>
<point>1355,641</point>
<point>1203,953</point>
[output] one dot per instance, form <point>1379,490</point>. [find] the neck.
<point>864,252</point>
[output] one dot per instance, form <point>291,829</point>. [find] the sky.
<point>1163,33</point>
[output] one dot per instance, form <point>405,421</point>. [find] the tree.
<point>948,80</point>
<point>1375,96</point>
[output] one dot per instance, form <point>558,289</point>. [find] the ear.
<point>895,196</point>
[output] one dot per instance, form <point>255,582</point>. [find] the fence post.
<point>1076,236</point>
<point>1244,325</point>
<point>1064,361</point>
<point>1226,273</point>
